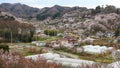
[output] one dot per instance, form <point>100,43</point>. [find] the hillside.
<point>24,11</point>
<point>8,25</point>
<point>19,10</point>
<point>77,19</point>
<point>59,36</point>
<point>56,12</point>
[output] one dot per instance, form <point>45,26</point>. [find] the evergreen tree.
<point>98,9</point>
<point>117,32</point>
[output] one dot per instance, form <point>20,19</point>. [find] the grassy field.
<point>97,57</point>
<point>104,58</point>
<point>51,38</point>
<point>24,50</point>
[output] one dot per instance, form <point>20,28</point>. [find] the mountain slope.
<point>56,11</point>
<point>20,31</point>
<point>19,10</point>
<point>24,11</point>
<point>104,22</point>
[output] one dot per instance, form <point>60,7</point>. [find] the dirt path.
<point>68,55</point>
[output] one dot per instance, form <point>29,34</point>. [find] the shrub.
<point>50,32</point>
<point>4,47</point>
<point>34,50</point>
<point>16,60</point>
<point>117,32</point>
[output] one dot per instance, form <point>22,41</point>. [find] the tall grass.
<point>16,60</point>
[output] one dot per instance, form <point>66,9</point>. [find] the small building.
<point>75,44</point>
<point>117,40</point>
<point>39,43</point>
<point>79,49</point>
<point>88,40</point>
<point>109,34</point>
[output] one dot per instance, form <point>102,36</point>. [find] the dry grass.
<point>15,60</point>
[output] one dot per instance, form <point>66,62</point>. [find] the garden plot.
<point>114,65</point>
<point>75,63</point>
<point>64,61</point>
<point>48,56</point>
<point>96,49</point>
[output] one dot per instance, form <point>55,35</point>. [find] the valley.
<point>65,37</point>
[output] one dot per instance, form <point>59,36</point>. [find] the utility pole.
<point>36,37</point>
<point>54,32</point>
<point>48,33</point>
<point>11,38</point>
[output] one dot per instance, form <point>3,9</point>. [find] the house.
<point>1,39</point>
<point>39,31</point>
<point>39,43</point>
<point>75,44</point>
<point>60,34</point>
<point>79,49</point>
<point>109,34</point>
<point>56,46</point>
<point>42,35</point>
<point>65,43</point>
<point>117,40</point>
<point>88,40</point>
